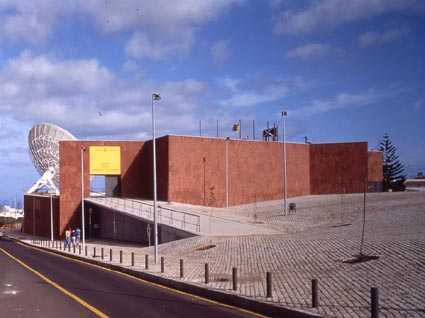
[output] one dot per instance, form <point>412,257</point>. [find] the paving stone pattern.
<point>313,244</point>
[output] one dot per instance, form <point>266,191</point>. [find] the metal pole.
<point>33,215</point>
<point>285,182</point>
<point>154,97</point>
<point>253,129</point>
<point>83,225</point>
<point>51,217</point>
<point>364,220</point>
<point>240,129</point>
<point>217,127</point>
<point>374,302</point>
<point>227,171</point>
<point>200,127</point>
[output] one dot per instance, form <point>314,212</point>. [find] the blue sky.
<point>345,70</point>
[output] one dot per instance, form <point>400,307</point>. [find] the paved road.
<point>109,292</point>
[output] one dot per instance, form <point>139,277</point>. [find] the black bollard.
<point>314,293</point>
<point>181,269</point>
<point>120,257</point>
<point>162,264</point>
<point>79,249</point>
<point>235,278</point>
<point>69,248</point>
<point>110,255</point>
<point>73,249</point>
<point>146,261</point>
<point>132,258</point>
<point>207,273</point>
<point>269,284</point>
<point>101,253</point>
<point>374,302</point>
<point>94,251</point>
<point>85,250</point>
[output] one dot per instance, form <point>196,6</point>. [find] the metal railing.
<point>167,216</point>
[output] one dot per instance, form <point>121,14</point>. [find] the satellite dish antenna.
<point>43,142</point>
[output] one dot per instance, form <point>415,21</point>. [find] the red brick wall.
<point>132,177</point>
<point>374,166</point>
<point>338,168</point>
<point>198,165</point>
<point>37,215</point>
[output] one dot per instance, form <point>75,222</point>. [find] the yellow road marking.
<point>149,283</point>
<point>94,310</point>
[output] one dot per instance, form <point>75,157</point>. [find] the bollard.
<point>269,284</point>
<point>69,248</point>
<point>132,258</point>
<point>314,293</point>
<point>120,257</point>
<point>79,249</point>
<point>110,255</point>
<point>207,273</point>
<point>60,245</point>
<point>94,251</point>
<point>162,264</point>
<point>374,302</point>
<point>73,249</point>
<point>235,278</point>
<point>101,253</point>
<point>146,261</point>
<point>181,269</point>
<point>85,250</point>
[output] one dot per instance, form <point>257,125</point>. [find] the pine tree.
<point>393,169</point>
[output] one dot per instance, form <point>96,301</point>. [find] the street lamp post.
<point>155,97</point>
<point>83,225</point>
<point>285,182</point>
<point>51,217</point>
<point>227,170</point>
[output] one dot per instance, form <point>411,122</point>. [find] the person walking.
<point>67,238</point>
<point>78,236</point>
<point>73,237</point>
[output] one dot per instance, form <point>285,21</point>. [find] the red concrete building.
<point>208,171</point>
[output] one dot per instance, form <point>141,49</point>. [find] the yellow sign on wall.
<point>105,160</point>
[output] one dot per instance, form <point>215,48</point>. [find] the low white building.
<point>415,185</point>
<point>10,212</point>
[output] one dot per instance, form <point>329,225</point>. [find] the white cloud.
<point>342,101</point>
<point>220,52</point>
<point>311,50</point>
<point>269,93</point>
<point>158,27</point>
<point>378,38</point>
<point>72,93</point>
<point>331,13</point>
<point>140,46</point>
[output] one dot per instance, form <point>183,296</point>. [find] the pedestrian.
<point>73,237</point>
<point>67,238</point>
<point>78,235</point>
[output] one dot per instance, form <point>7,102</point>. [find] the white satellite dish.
<point>43,141</point>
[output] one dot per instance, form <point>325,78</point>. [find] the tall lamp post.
<point>285,182</point>
<point>51,217</point>
<point>155,97</point>
<point>83,225</point>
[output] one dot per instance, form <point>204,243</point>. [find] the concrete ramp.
<point>143,210</point>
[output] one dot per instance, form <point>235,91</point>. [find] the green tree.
<point>393,169</point>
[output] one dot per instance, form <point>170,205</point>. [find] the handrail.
<point>167,216</point>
